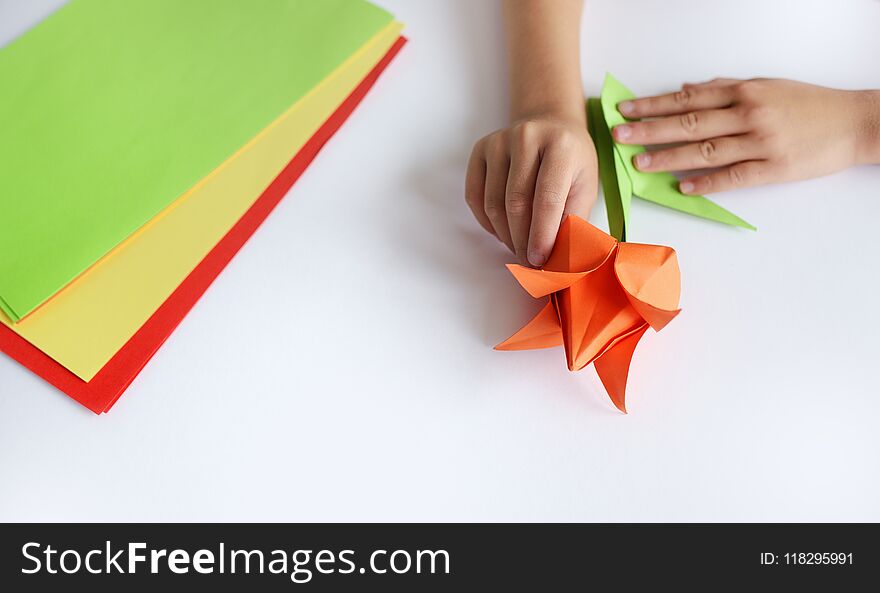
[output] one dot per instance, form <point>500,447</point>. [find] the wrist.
<point>572,113</point>
<point>868,128</point>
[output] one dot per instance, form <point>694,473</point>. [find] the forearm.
<point>543,52</point>
<point>869,127</point>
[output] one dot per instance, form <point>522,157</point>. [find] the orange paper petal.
<point>579,247</point>
<point>613,366</point>
<point>540,283</point>
<point>594,312</point>
<point>542,331</point>
<point>650,276</point>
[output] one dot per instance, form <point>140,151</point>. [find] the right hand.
<point>524,179</point>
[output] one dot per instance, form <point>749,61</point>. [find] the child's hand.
<point>758,131</point>
<point>522,180</point>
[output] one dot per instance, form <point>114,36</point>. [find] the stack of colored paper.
<point>143,143</point>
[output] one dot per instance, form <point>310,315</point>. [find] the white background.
<point>341,368</point>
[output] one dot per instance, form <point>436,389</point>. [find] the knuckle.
<point>523,133</point>
<point>479,152</point>
<point>783,161</point>
<point>757,115</point>
<point>708,149</point>
<point>496,144</point>
<point>774,144</point>
<point>495,211</point>
<point>689,122</point>
<point>737,175</point>
<point>563,139</point>
<point>517,202</point>
<point>749,89</point>
<point>550,197</point>
<point>684,97</point>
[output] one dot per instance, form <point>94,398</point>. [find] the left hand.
<point>752,132</point>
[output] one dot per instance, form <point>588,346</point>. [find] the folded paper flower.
<point>603,296</point>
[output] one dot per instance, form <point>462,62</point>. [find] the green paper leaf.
<point>615,187</point>
<point>110,111</point>
<point>661,187</point>
<point>624,188</point>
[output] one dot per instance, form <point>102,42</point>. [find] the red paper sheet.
<point>107,386</point>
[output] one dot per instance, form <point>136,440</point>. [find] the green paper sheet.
<point>615,183</point>
<point>660,187</point>
<point>111,110</point>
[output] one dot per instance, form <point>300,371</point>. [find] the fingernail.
<point>623,132</point>
<point>643,160</point>
<point>686,187</point>
<point>536,259</point>
<point>626,107</point>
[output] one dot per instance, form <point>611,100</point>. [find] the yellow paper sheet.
<point>85,324</point>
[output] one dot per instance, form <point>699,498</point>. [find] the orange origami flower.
<point>603,297</point>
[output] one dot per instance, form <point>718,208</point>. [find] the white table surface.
<point>341,368</point>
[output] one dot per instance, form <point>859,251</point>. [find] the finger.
<point>687,127</point>
<point>582,195</point>
<point>738,176</point>
<point>713,82</point>
<point>474,186</point>
<point>551,193</point>
<point>497,165</point>
<point>715,152</point>
<point>687,99</point>
<point>518,198</point>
